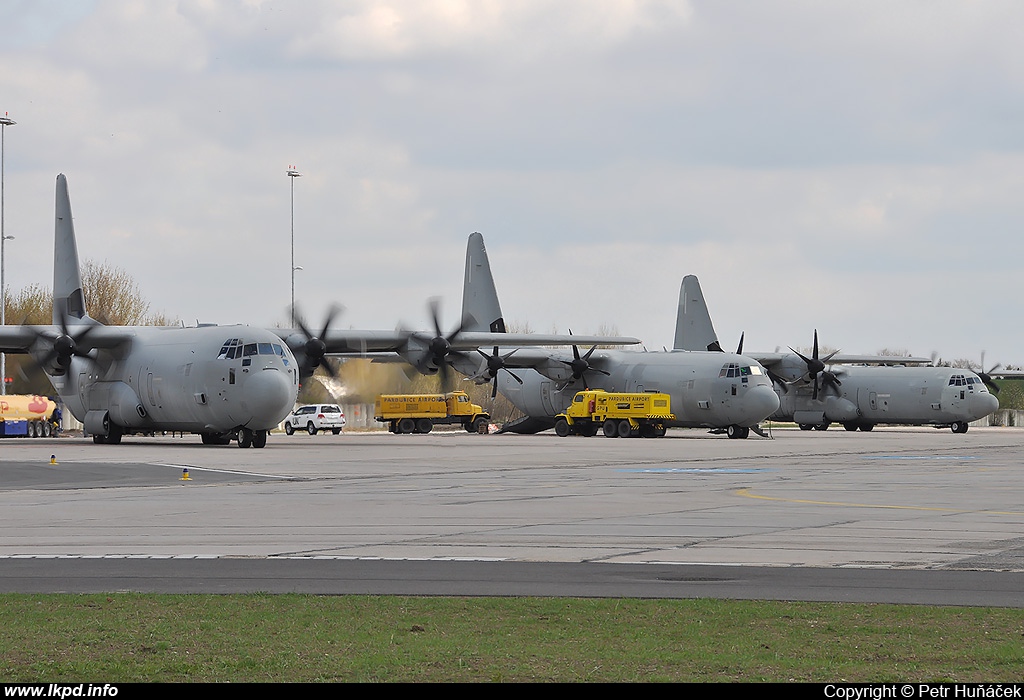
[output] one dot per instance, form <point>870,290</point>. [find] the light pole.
<point>5,121</point>
<point>292,174</point>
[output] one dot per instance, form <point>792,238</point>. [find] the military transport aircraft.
<point>223,382</point>
<point>708,389</point>
<point>862,391</point>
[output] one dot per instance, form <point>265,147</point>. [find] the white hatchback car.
<point>314,418</point>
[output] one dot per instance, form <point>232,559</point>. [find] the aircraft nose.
<point>269,396</point>
<point>760,402</point>
<point>982,405</point>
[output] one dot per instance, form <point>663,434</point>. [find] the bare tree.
<point>112,296</point>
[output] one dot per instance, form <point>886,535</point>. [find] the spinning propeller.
<point>986,375</point>
<point>311,354</point>
<point>440,346</point>
<point>816,367</point>
<point>496,363</point>
<point>581,364</point>
<point>64,345</point>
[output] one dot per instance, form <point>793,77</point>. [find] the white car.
<point>314,418</point>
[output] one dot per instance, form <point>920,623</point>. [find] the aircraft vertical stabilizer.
<point>694,330</point>
<point>480,308</point>
<point>68,298</point>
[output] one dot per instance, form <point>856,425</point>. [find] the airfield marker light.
<point>53,459</point>
<point>185,476</point>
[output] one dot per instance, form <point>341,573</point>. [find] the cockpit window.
<point>734,370</point>
<point>231,349</point>
<point>250,350</point>
<point>266,349</point>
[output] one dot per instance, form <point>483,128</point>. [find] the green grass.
<point>131,637</point>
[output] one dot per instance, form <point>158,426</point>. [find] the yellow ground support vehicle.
<point>27,416</point>
<point>419,413</point>
<point>618,414</point>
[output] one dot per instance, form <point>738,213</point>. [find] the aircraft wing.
<point>21,339</point>
<point>471,340</point>
<point>16,339</point>
<point>356,342</point>
<point>770,359</point>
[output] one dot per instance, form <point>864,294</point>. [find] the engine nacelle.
<point>840,410</point>
<point>119,402</point>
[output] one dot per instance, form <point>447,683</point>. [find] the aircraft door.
<point>545,397</point>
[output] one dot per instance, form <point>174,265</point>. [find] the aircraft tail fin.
<point>68,298</point>
<point>480,308</point>
<point>694,329</point>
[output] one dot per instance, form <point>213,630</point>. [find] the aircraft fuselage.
<point>213,379</point>
<point>892,395</point>
<point>708,389</point>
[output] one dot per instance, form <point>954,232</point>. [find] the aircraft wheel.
<point>959,426</point>
<point>822,426</point>
<point>733,431</point>
<point>611,428</point>
<point>288,429</point>
<point>866,427</point>
<point>625,429</point>
<point>244,438</point>
<point>114,434</point>
<point>806,426</point>
<point>259,439</point>
<point>310,428</point>
<point>423,425</point>
<point>406,425</point>
<point>99,440</point>
<point>852,427</point>
<point>561,428</point>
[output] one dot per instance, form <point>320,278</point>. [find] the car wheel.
<point>561,427</point>
<point>288,429</point>
<point>310,428</point>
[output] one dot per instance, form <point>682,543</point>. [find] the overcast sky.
<point>855,167</point>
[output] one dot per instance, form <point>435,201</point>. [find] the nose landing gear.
<point>252,438</point>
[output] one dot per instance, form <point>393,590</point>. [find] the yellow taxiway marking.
<point>746,493</point>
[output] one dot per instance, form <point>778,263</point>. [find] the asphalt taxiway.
<point>917,515</point>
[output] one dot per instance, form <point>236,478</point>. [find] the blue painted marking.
<point>692,470</point>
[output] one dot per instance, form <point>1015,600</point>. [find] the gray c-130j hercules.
<point>708,389</point>
<point>858,391</point>
<point>222,382</point>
